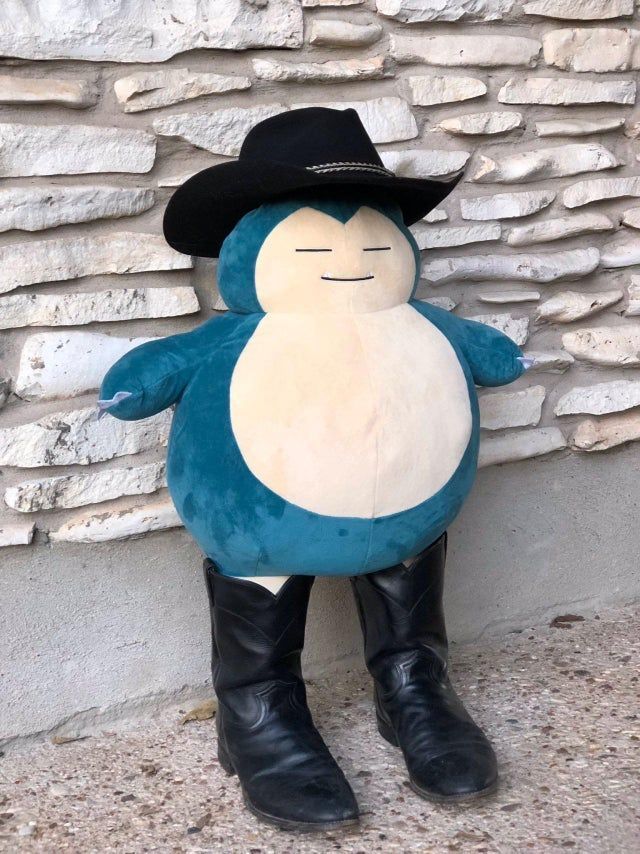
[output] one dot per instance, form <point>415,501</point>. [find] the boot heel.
<point>386,732</point>
<point>223,759</point>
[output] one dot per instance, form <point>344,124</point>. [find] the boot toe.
<point>457,774</point>
<point>312,804</point>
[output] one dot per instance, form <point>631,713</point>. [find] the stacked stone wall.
<point>105,107</point>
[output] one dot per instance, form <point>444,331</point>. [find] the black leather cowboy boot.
<point>265,732</point>
<point>447,755</point>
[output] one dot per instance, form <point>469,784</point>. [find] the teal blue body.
<point>244,527</point>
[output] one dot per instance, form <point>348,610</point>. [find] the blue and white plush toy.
<point>327,424</point>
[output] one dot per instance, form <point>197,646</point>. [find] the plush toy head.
<point>341,255</point>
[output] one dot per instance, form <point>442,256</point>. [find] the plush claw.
<point>526,361</point>
<point>105,405</point>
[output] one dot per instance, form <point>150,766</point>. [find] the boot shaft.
<point>257,636</point>
<point>400,608</point>
<point>447,755</point>
<point>266,734</point>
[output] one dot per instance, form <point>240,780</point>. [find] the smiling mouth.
<point>337,279</point>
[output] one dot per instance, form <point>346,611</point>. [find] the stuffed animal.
<point>327,424</point>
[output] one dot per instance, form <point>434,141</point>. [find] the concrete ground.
<point>561,704</point>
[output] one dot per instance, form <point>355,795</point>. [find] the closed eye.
<point>376,248</point>
<point>314,250</point>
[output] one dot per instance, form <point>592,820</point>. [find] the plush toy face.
<point>312,262</point>
<point>310,255</point>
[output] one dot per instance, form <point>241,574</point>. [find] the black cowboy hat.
<point>306,149</point>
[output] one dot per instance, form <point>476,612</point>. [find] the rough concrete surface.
<point>560,703</point>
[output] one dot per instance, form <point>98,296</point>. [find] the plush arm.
<point>152,377</point>
<point>493,357</point>
<point>146,380</point>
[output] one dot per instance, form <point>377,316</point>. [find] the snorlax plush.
<point>327,424</point>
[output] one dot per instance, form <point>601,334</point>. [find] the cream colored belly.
<point>350,415</point>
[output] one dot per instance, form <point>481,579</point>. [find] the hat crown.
<point>314,150</point>
<point>311,137</point>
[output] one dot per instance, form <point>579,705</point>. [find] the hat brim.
<point>208,206</point>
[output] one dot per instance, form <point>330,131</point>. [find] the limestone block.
<point>580,10</point>
<point>516,328</point>
<point>331,70</point>
<point>36,208</point>
<point>426,91</point>
<point>429,163</point>
<point>559,229</point>
<point>436,215</point>
<point>549,363</point>
<point>569,264</point>
<point>578,127</point>
<point>501,410</point>
<point>621,252</point>
<point>487,51</point>
<point>561,91</point>
<point>23,264</point>
<point>18,533</point>
<point>326,32</point>
<point>506,205</point>
<point>593,49</point>
<point>608,432</point>
<point>501,297</point>
<point>598,189</point>
<point>427,11</point>
<point>605,345</point>
<point>78,490</point>
<point>78,309</point>
<point>568,306</point>
<point>632,130</point>
<point>600,399</point>
<point>631,218</point>
<point>489,124</point>
<point>72,149</point>
<point>144,30</point>
<point>119,524</point>
<point>222,131</point>
<point>520,445</point>
<point>147,90</point>
<point>76,437</point>
<point>77,94</point>
<point>544,163</point>
<point>430,237</point>
<point>67,364</point>
<point>633,306</point>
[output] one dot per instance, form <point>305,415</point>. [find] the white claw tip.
<point>105,405</point>
<point>526,361</point>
